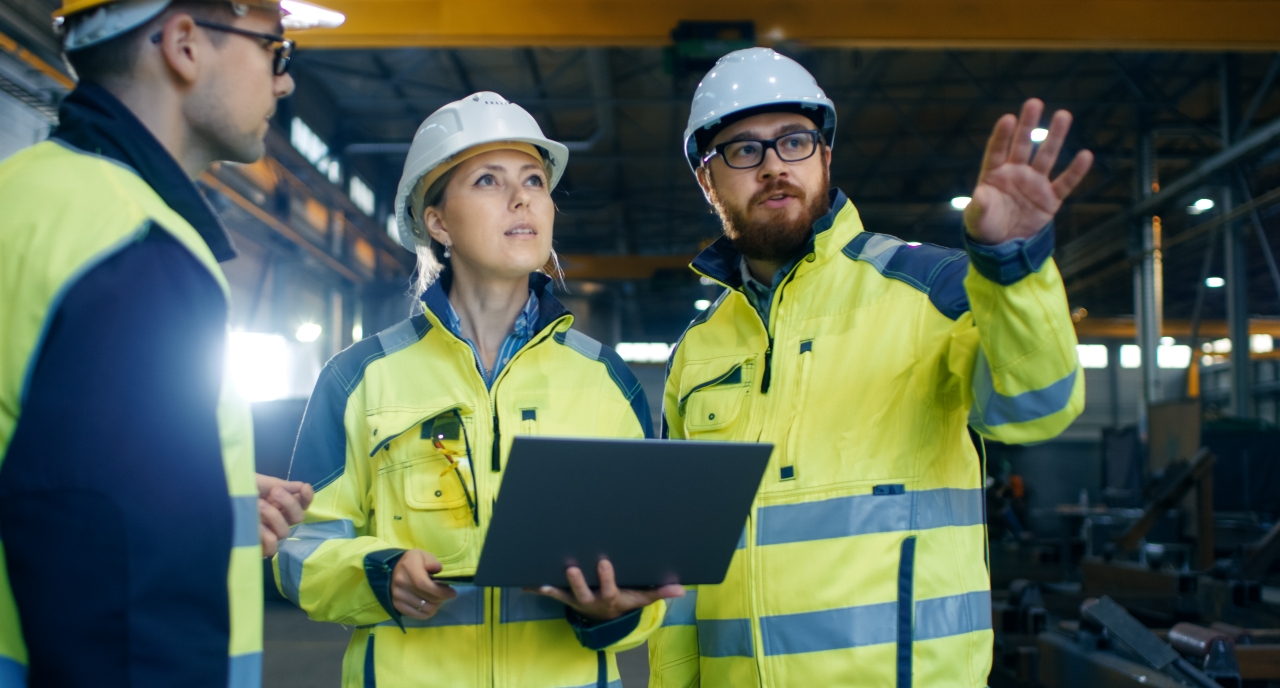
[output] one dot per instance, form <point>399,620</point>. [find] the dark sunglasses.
<point>283,52</point>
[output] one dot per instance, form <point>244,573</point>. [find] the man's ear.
<point>182,48</point>
<point>704,180</point>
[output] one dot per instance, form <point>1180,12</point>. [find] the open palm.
<point>1015,197</point>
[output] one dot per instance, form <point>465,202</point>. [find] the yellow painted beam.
<point>1035,24</point>
<point>1122,328</point>
<point>594,267</point>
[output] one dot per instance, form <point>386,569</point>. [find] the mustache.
<point>776,186</point>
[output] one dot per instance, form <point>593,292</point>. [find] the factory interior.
<point>1160,503</point>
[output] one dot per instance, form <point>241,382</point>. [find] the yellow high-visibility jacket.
<point>383,487</point>
<point>863,559</point>
<point>44,250</point>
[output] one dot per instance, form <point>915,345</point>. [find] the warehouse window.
<point>361,195</point>
<point>1092,355</point>
<point>314,149</point>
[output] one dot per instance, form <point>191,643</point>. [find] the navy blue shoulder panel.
<point>618,371</point>
<point>935,270</point>
<point>320,455</point>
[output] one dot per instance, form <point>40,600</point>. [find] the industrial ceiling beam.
<point>1046,24</point>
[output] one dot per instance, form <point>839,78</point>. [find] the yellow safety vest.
<point>863,560</point>
<point>383,486</point>
<point>43,251</point>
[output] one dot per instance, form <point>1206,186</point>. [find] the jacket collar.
<point>435,300</point>
<point>721,259</point>
<point>94,121</point>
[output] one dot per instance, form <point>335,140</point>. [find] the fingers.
<point>271,518</point>
<point>998,145</point>
<point>1073,175</point>
<point>270,544</point>
<point>412,605</point>
<point>608,582</point>
<point>578,584</point>
<point>1047,155</point>
<point>305,494</point>
<point>1020,153</point>
<point>287,504</point>
<point>301,491</point>
<point>418,581</point>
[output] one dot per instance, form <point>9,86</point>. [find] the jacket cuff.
<point>1008,262</point>
<point>598,635</point>
<point>378,567</point>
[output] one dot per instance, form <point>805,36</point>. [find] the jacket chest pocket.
<point>426,492</point>
<point>712,396</point>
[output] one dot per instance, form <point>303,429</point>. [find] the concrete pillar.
<point>1150,279</point>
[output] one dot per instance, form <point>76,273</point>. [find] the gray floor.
<point>301,653</point>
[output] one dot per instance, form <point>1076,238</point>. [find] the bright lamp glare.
<point>1092,355</point>
<point>308,332</point>
<point>1214,282</point>
<point>1175,356</point>
<point>303,15</point>
<point>644,352</point>
<point>258,365</point>
<point>1130,356</point>
<point>1261,343</point>
<point>960,202</point>
<point>1204,204</point>
<point>702,304</point>
<point>1039,134</point>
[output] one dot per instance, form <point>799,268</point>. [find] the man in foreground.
<point>864,359</point>
<point>132,523</point>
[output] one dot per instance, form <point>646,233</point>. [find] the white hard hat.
<point>101,20</point>
<point>481,118</point>
<point>753,79</point>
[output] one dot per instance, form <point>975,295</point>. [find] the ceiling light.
<point>702,304</point>
<point>308,332</point>
<point>643,352</point>
<point>1039,134</point>
<point>1167,341</point>
<point>960,202</point>
<point>304,15</point>
<point>1200,206</point>
<point>1214,282</point>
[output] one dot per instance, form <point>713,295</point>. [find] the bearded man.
<point>864,359</point>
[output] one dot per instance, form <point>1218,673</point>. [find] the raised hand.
<point>281,504</point>
<point>610,601</point>
<point>1015,197</point>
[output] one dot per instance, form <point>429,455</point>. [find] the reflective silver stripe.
<point>725,638</point>
<point>244,513</point>
<point>830,629</point>
<point>302,542</point>
<point>947,616</point>
<point>682,611</point>
<point>742,539</point>
<point>467,609</point>
<point>874,624</point>
<point>12,674</point>
<point>991,408</point>
<point>397,337</point>
<point>582,344</point>
<point>868,513</point>
<point>518,605</point>
<point>879,250</point>
<point>245,671</point>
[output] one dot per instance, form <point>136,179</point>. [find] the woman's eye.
<point>486,180</point>
<point>536,180</point>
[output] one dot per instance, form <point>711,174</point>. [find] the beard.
<point>769,235</point>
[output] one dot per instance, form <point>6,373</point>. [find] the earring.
<point>446,251</point>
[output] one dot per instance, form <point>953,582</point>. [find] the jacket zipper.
<point>495,458</point>
<point>768,367</point>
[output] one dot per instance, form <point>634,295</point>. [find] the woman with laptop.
<point>406,435</point>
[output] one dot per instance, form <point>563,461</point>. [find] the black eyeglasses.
<point>747,153</point>
<point>283,52</point>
